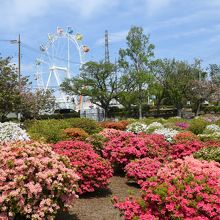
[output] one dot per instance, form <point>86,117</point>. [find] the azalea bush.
<point>137,127</point>
<point>209,153</point>
<point>140,170</point>
<point>184,137</point>
<point>153,126</point>
<point>181,150</point>
<point>94,171</point>
<point>183,189</point>
<point>212,128</point>
<point>209,137</point>
<point>97,141</point>
<point>76,133</point>
<point>182,125</point>
<point>35,182</point>
<point>128,146</point>
<point>210,118</point>
<point>110,133</point>
<point>10,131</point>
<point>167,132</point>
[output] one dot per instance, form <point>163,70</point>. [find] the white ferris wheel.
<point>60,57</point>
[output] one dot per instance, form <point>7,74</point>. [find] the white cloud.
<point>195,32</point>
<point>20,12</point>
<point>153,6</point>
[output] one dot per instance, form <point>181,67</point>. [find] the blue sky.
<point>182,29</point>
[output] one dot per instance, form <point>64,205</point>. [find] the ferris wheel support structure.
<point>61,57</point>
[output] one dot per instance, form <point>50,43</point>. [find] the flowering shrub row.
<point>183,189</point>
<point>94,171</point>
<point>35,182</point>
<point>10,131</point>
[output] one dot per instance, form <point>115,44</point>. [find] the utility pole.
<point>106,48</point>
<point>19,62</point>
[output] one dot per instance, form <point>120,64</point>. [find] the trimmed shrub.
<point>52,131</point>
<point>120,125</point>
<point>197,126</point>
<point>94,171</point>
<point>76,133</point>
<point>183,189</point>
<point>88,125</point>
<point>35,182</point>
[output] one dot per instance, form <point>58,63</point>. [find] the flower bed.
<point>183,189</point>
<point>94,171</point>
<point>35,182</point>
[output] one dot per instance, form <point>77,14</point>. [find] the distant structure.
<point>106,48</point>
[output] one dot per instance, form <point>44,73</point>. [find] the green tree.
<point>10,98</point>
<point>34,103</point>
<point>98,81</point>
<point>135,62</point>
<point>176,78</point>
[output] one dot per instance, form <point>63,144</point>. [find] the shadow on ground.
<point>97,194</point>
<point>66,216</point>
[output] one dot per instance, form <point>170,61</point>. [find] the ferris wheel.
<point>60,57</point>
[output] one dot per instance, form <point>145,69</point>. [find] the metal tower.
<point>106,48</point>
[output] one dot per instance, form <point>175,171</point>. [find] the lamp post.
<point>19,58</point>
